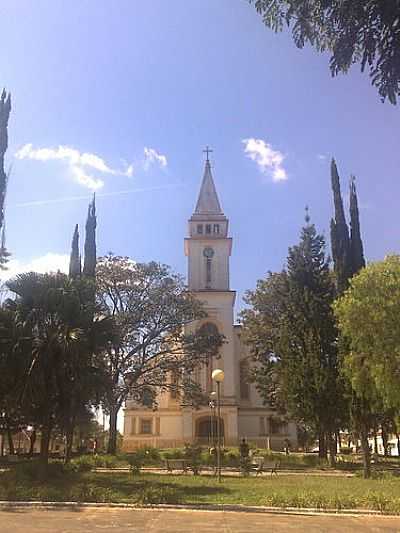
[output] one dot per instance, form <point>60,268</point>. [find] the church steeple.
<point>207,202</point>
<point>208,247</point>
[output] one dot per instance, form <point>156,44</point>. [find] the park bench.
<point>176,464</point>
<point>260,464</point>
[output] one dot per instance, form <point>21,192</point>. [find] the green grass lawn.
<point>282,490</point>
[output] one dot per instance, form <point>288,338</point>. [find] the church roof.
<point>207,202</point>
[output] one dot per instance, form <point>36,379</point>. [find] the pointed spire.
<point>89,267</point>
<point>75,267</point>
<point>208,203</point>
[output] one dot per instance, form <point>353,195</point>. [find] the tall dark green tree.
<point>89,266</point>
<point>5,109</point>
<point>356,245</point>
<point>75,267</point>
<point>348,257</point>
<point>340,240</point>
<point>291,330</point>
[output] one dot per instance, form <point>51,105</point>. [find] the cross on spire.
<point>207,151</point>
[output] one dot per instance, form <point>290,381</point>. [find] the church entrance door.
<point>206,430</point>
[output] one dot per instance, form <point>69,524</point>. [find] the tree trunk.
<point>384,439</point>
<point>332,449</point>
<point>322,452</point>
<point>376,442</point>
<point>398,444</point>
<point>366,453</point>
<point>44,446</point>
<point>68,443</point>
<point>112,441</point>
<point>339,439</point>
<point>11,449</point>
<point>32,441</point>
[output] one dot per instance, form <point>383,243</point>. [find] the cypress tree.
<point>75,267</point>
<point>89,267</point>
<point>356,245</point>
<point>5,108</point>
<point>340,240</point>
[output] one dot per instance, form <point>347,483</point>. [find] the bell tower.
<point>208,247</point>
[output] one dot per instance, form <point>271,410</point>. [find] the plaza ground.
<point>170,521</point>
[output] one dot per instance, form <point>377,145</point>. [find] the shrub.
<point>85,463</point>
<point>142,457</point>
<point>192,454</point>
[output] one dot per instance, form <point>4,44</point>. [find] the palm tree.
<point>64,371</point>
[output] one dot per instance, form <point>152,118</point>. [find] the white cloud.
<point>78,163</point>
<point>152,156</point>
<point>49,262</point>
<point>269,161</point>
<point>321,157</point>
<point>86,180</point>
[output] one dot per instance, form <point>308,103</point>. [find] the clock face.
<point>208,252</point>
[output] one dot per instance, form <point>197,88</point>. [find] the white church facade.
<point>243,413</point>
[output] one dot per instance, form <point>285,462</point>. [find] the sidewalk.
<point>171,521</point>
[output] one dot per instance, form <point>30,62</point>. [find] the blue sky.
<point>114,79</point>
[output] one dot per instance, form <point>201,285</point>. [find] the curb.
<point>202,507</point>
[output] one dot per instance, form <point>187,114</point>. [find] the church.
<point>243,414</point>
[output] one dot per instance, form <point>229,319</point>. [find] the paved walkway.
<point>168,521</point>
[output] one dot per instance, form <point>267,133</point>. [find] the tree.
<point>368,318</point>
<point>89,266</point>
<point>61,339</point>
<point>348,259</point>
<point>5,109</point>
<point>340,242</point>
<point>354,31</point>
<point>154,316</point>
<point>75,268</point>
<point>291,331</point>
<point>356,245</point>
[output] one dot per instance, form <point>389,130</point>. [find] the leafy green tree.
<point>291,330</point>
<point>368,318</point>
<point>354,31</point>
<point>154,315</point>
<point>61,339</point>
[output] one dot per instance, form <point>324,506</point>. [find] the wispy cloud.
<point>49,262</point>
<point>269,161</point>
<point>64,199</point>
<point>79,163</point>
<point>322,157</point>
<point>151,156</point>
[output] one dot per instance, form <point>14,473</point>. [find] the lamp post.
<point>212,418</point>
<point>218,376</point>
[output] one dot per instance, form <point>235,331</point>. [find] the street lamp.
<point>211,404</point>
<point>218,376</point>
